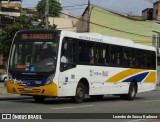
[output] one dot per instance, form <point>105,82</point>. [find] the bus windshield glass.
<point>34,56</point>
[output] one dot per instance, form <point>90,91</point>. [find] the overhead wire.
<point>105,26</point>
<point>74,6</point>
<point>97,24</point>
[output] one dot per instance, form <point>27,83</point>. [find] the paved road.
<point>148,102</point>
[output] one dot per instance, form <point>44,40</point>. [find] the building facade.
<point>147,14</point>
<point>113,24</point>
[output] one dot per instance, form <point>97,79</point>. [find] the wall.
<point>78,24</point>
<point>145,14</point>
<point>155,10</point>
<point>116,22</point>
<point>62,23</point>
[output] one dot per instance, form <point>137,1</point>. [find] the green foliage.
<point>54,8</point>
<point>7,34</point>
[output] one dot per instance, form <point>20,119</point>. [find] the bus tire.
<point>80,93</point>
<point>131,93</point>
<point>96,97</point>
<point>39,99</point>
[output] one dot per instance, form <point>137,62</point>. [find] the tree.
<point>54,8</point>
<point>7,34</point>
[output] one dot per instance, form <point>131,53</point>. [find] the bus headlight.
<point>50,79</point>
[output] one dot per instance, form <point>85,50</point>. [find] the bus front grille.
<point>29,77</point>
<point>23,90</point>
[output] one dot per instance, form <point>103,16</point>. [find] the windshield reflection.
<point>34,56</point>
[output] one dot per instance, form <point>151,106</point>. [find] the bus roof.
<point>94,37</point>
<point>107,39</point>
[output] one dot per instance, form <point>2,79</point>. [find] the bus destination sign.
<point>37,36</point>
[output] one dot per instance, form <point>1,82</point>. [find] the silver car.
<point>3,75</point>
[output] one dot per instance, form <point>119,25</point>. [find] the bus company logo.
<point>101,73</point>
<point>6,116</point>
<point>91,72</point>
<point>105,73</point>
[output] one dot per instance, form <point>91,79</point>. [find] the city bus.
<point>57,63</point>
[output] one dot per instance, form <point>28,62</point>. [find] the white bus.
<point>54,63</point>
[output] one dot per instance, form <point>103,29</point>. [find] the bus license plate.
<point>28,89</point>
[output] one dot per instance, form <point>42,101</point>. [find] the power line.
<point>107,27</point>
<point>151,1</point>
<point>75,5</point>
<point>69,2</point>
<point>73,8</point>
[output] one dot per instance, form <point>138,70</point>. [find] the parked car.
<point>3,75</point>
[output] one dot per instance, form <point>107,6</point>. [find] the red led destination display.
<point>37,36</point>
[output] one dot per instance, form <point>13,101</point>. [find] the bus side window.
<point>82,51</point>
<point>68,54</point>
<point>116,55</point>
<point>102,54</point>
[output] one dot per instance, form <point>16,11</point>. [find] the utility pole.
<point>46,14</point>
<point>88,21</point>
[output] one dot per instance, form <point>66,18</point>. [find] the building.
<point>110,23</point>
<point>97,19</point>
<point>156,10</point>
<point>30,12</point>
<point>147,14</point>
<point>9,11</point>
<point>10,8</point>
<point>66,22</point>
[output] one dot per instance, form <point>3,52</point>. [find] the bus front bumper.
<point>50,90</point>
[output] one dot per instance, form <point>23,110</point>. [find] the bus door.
<point>67,75</point>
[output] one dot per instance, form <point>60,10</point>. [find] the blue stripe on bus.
<point>138,78</point>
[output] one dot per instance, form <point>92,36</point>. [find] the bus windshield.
<point>34,56</point>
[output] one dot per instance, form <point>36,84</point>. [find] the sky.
<point>133,7</point>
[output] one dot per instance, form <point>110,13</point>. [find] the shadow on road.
<point>49,101</point>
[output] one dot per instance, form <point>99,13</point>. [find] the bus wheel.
<point>96,97</point>
<point>131,93</point>
<point>39,99</point>
<point>80,93</point>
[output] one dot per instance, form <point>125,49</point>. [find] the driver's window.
<point>68,54</point>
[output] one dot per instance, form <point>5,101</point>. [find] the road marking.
<point>136,120</point>
<point>71,107</point>
<point>151,101</point>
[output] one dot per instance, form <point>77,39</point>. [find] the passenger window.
<point>68,54</point>
<point>86,52</point>
<point>116,55</point>
<point>102,54</point>
<point>140,58</point>
<point>129,57</point>
<point>151,60</point>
